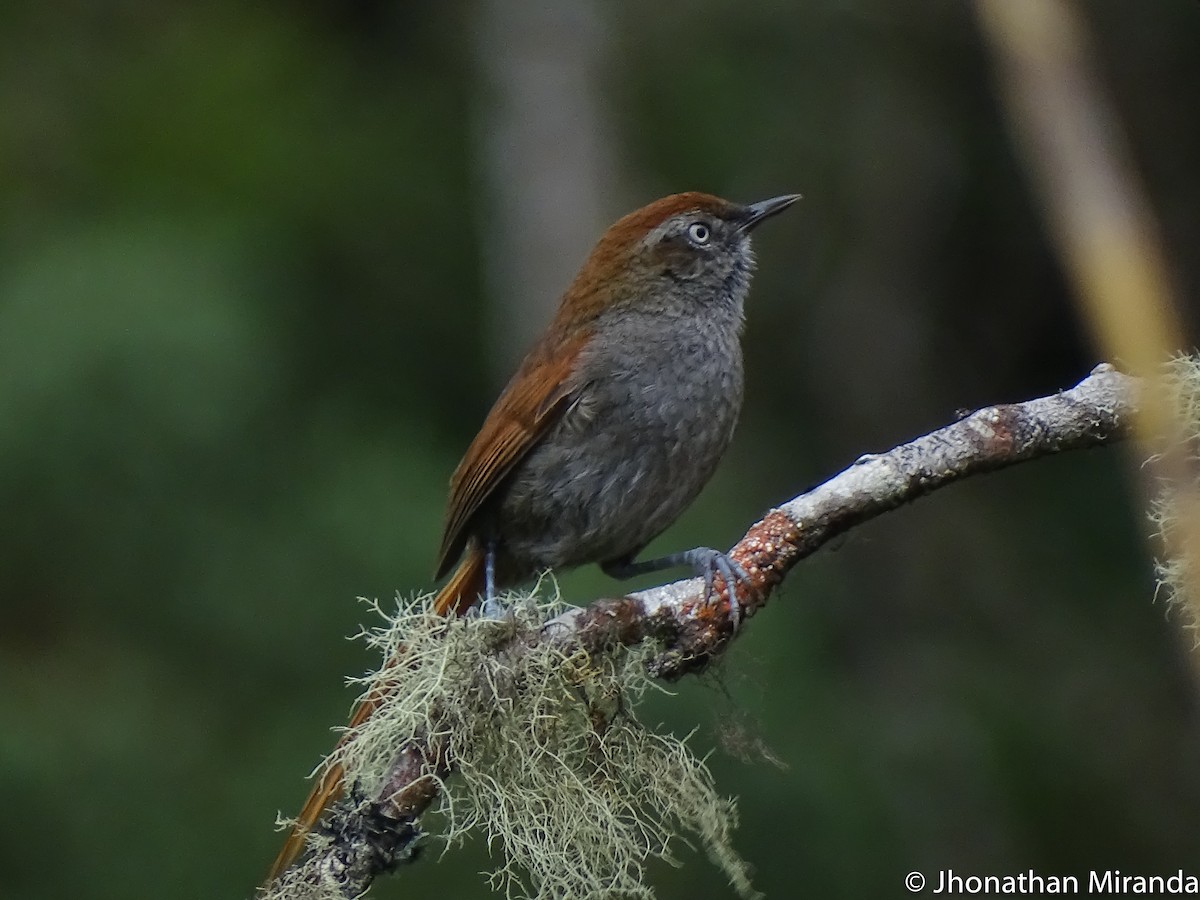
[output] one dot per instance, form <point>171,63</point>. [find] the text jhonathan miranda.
<point>1097,881</point>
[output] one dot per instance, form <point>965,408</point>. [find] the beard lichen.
<point>548,760</point>
<point>1175,511</point>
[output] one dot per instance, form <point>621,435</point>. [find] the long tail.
<point>459,595</point>
<point>465,585</point>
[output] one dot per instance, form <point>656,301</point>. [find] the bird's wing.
<point>533,401</point>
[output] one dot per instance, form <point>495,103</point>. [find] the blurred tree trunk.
<point>546,156</point>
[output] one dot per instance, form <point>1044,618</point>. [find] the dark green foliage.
<point>242,344</point>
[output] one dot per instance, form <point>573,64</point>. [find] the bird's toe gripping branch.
<point>756,566</point>
<point>708,563</point>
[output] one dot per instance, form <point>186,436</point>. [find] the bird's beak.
<point>764,209</point>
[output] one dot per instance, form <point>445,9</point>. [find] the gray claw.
<point>710,562</point>
<point>492,609</point>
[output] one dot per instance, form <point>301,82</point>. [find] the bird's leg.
<point>492,608</point>
<point>704,561</point>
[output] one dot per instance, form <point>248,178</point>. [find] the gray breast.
<point>654,413</point>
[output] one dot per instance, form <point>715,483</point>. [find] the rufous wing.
<point>533,401</point>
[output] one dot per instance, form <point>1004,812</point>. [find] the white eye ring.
<point>699,233</point>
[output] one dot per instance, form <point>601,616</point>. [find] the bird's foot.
<point>493,608</point>
<point>707,563</point>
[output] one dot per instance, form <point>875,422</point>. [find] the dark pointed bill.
<point>764,209</point>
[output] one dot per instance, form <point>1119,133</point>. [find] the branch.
<point>692,630</point>
<point>1097,411</point>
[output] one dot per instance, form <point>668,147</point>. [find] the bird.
<point>612,424</point>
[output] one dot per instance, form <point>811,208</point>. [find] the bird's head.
<point>679,250</point>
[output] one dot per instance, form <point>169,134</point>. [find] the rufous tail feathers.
<point>459,594</point>
<point>463,589</point>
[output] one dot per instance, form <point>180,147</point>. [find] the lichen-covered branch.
<point>689,630</point>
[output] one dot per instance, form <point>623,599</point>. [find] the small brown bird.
<point>612,424</point>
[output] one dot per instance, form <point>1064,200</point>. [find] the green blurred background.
<point>263,267</point>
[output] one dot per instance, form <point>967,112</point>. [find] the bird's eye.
<point>699,233</point>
